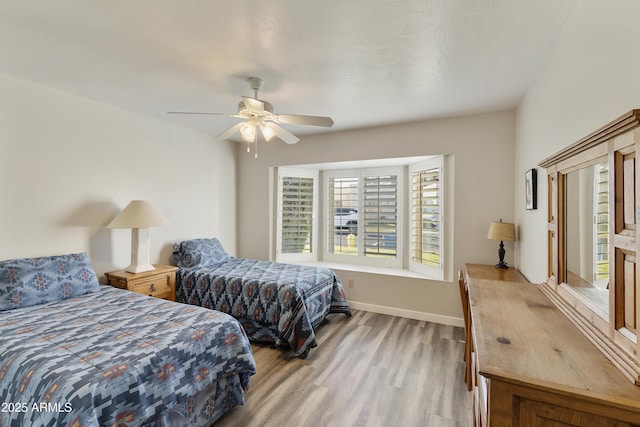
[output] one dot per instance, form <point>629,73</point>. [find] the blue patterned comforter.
<point>275,302</point>
<point>115,358</point>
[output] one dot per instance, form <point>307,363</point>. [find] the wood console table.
<point>532,367</point>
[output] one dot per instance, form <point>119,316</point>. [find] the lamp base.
<point>140,251</point>
<point>501,252</point>
<point>139,268</point>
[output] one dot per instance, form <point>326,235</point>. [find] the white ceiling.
<point>362,62</point>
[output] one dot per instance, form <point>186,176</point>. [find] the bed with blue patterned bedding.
<point>275,302</point>
<point>112,357</point>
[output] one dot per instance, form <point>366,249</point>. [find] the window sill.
<point>398,272</point>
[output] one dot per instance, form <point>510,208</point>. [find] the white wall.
<point>69,165</point>
<point>483,149</point>
<point>590,78</point>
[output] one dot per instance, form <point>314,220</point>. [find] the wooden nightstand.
<point>159,283</point>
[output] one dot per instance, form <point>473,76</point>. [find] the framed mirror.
<point>587,235</point>
<point>592,212</point>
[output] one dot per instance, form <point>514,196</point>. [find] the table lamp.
<point>139,216</point>
<point>502,231</point>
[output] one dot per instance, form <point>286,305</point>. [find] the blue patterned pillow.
<point>200,253</point>
<point>30,281</point>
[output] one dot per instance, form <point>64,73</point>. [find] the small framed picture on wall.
<point>531,189</point>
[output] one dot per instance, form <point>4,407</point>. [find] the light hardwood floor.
<point>368,370</point>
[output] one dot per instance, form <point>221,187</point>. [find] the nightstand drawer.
<point>157,287</point>
<point>159,282</point>
<point>117,282</point>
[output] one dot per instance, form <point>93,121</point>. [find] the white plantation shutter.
<point>373,196</point>
<point>297,199</point>
<point>426,217</point>
<point>342,197</point>
<point>297,214</point>
<point>380,216</point>
<point>601,223</point>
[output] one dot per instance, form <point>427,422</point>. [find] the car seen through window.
<point>346,219</point>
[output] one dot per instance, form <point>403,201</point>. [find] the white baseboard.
<point>409,314</point>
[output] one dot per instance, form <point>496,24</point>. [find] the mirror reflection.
<point>587,234</point>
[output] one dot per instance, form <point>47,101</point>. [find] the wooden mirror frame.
<point>617,335</point>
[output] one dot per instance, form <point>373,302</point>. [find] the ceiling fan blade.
<point>253,104</point>
<point>229,132</point>
<point>296,119</point>
<point>284,135</point>
<point>211,114</point>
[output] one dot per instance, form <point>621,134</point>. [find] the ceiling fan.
<point>259,118</point>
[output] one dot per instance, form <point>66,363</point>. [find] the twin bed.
<point>73,352</point>
<point>275,302</point>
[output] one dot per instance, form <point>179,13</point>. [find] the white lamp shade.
<point>502,231</point>
<point>248,131</point>
<point>139,214</point>
<point>268,132</point>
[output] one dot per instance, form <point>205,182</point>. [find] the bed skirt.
<point>207,406</point>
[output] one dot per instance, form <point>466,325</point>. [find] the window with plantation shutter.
<point>380,216</point>
<point>297,199</point>
<point>342,215</point>
<point>426,217</point>
<point>363,211</point>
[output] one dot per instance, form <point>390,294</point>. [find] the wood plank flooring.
<point>368,370</point>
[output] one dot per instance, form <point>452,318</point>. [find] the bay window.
<point>389,216</point>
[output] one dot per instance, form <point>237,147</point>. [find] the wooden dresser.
<point>531,367</point>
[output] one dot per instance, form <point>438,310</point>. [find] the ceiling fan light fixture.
<point>258,113</point>
<point>248,131</point>
<point>267,131</point>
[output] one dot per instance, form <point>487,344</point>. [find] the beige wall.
<point>482,146</point>
<point>68,165</point>
<point>590,78</point>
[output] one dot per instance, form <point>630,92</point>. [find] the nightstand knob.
<point>152,288</point>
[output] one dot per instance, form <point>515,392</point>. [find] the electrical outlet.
<point>350,283</point>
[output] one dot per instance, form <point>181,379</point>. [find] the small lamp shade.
<point>139,216</point>
<point>502,231</point>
